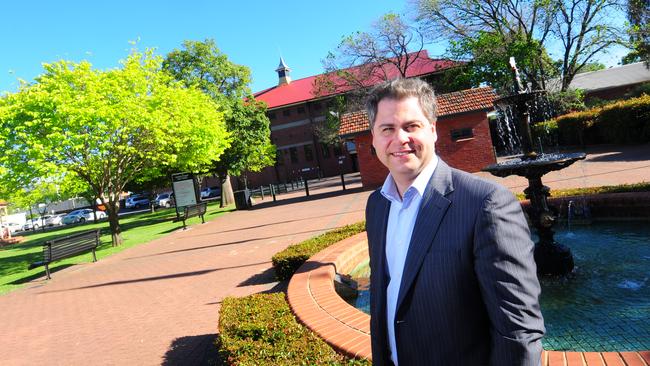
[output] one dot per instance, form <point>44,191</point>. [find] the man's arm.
<point>506,271</point>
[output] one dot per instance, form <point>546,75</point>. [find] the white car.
<point>164,199</point>
<point>12,226</point>
<point>32,224</point>
<point>82,216</point>
<point>55,220</point>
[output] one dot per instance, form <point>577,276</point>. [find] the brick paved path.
<point>158,303</point>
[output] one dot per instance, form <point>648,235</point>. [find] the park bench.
<point>193,210</point>
<point>67,246</point>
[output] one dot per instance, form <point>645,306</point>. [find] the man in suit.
<point>453,280</point>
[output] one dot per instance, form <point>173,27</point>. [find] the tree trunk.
<point>227,195</point>
<point>114,222</point>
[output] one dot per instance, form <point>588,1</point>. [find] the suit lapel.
<point>383,210</point>
<point>432,210</point>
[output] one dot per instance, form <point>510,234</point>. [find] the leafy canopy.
<point>107,128</point>
<point>201,64</point>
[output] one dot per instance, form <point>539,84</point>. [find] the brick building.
<point>294,108</point>
<point>464,140</point>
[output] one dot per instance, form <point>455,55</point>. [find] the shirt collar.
<point>389,189</point>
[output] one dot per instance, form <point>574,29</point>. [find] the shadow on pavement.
<point>159,278</point>
<point>196,350</point>
<point>268,276</point>
<point>225,244</point>
<point>314,195</point>
<point>281,222</point>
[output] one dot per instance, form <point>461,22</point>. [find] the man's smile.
<point>403,153</point>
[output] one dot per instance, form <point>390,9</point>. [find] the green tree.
<point>577,30</point>
<point>638,14</point>
<point>202,65</point>
<point>107,128</point>
<point>488,54</point>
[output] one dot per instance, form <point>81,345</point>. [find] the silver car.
<point>82,216</point>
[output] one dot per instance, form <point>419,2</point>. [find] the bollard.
<point>272,192</point>
<point>343,181</point>
<point>306,186</point>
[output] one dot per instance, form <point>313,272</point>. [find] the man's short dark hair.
<point>398,89</point>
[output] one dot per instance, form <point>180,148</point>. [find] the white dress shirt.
<point>401,220</point>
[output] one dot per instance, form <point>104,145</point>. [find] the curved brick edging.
<point>316,304</point>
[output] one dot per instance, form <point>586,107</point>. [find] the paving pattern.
<point>158,303</point>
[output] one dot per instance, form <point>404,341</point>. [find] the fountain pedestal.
<point>552,258</point>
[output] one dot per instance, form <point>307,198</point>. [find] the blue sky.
<point>252,33</point>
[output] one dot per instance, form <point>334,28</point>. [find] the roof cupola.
<point>283,73</point>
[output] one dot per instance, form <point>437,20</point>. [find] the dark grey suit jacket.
<point>469,291</point>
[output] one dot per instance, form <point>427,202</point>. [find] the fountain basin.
<point>605,304</point>
<point>539,166</point>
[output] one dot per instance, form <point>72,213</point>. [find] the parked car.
<point>164,199</point>
<point>54,220</point>
<point>137,201</point>
<point>12,226</point>
<point>81,216</point>
<point>32,224</point>
<point>209,192</point>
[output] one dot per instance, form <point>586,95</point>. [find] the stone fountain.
<point>552,258</point>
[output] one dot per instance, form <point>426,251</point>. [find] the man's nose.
<point>403,136</point>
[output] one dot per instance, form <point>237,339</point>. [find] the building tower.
<point>283,73</point>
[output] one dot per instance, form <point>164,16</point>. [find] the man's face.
<point>403,138</point>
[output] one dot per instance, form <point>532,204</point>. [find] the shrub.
<point>573,127</point>
<point>261,330</point>
<point>626,121</point>
<point>621,188</point>
<point>289,260</point>
<point>621,122</point>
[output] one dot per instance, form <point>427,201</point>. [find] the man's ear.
<point>435,132</point>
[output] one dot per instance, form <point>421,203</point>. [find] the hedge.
<point>287,262</point>
<point>621,122</point>
<point>261,330</point>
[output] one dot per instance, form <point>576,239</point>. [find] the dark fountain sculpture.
<point>552,258</point>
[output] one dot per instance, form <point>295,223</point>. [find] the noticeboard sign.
<point>185,189</point>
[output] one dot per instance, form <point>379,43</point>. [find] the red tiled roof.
<point>302,90</point>
<point>448,104</point>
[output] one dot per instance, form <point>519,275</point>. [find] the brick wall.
<point>470,155</point>
<point>373,172</point>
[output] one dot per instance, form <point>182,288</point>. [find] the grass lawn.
<point>136,229</point>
